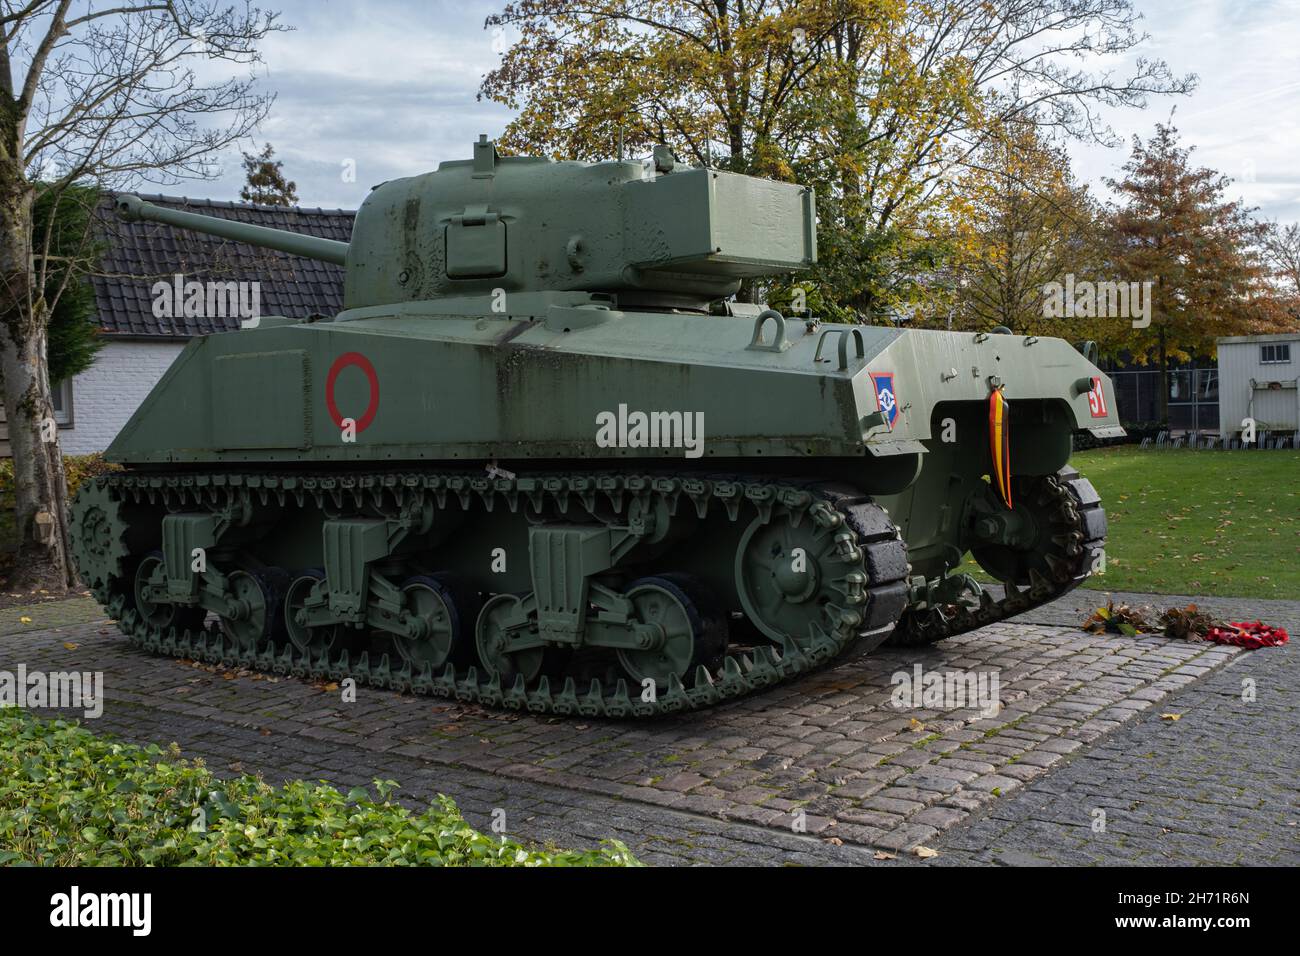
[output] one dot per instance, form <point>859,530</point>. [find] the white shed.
<point>1259,378</point>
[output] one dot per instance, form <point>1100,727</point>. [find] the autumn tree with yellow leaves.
<point>1026,225</point>
<point>877,104</point>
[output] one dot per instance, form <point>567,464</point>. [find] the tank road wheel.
<point>793,579</point>
<point>490,640</point>
<point>446,611</point>
<point>694,631</point>
<point>258,595</point>
<point>309,640</point>
<point>161,615</point>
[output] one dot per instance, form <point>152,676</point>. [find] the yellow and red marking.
<point>1000,443</point>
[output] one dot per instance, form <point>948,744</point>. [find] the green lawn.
<point>1199,522</point>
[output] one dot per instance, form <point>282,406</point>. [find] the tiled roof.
<point>139,254</point>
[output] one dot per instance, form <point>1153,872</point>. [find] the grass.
<point>1199,522</point>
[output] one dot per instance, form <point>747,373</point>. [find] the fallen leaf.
<point>834,841</point>
<point>70,646</point>
<point>925,853</point>
<point>916,725</point>
<point>882,855</point>
<point>331,686</point>
<point>265,731</point>
<point>25,620</point>
<point>1171,716</point>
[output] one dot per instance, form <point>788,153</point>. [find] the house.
<point>1259,379</point>
<point>143,334</point>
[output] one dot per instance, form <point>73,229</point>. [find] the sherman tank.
<point>544,460</point>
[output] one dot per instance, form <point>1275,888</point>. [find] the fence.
<point>1193,397</point>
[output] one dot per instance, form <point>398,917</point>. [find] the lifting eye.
<point>576,250</point>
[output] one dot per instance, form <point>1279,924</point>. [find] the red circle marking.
<point>363,363</point>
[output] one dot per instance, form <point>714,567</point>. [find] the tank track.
<point>869,547</point>
<point>1074,506</point>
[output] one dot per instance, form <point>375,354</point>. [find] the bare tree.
<point>105,94</point>
<point>1282,250</point>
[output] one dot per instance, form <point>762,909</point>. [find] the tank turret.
<point>653,234</point>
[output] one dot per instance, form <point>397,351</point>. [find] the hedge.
<point>71,798</point>
<point>76,469</point>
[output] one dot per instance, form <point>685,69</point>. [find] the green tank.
<point>542,460</point>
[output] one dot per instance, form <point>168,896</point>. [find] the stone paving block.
<point>815,746</point>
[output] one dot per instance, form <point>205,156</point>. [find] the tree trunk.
<point>40,491</point>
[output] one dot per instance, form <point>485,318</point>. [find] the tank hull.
<point>422,385</point>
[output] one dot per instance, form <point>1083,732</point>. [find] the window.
<point>1207,385</point>
<point>61,398</point>
<point>1275,353</point>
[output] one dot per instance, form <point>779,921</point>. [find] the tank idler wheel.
<point>161,615</point>
<point>694,633</point>
<point>257,619</point>
<point>309,640</point>
<point>490,640</point>
<point>443,612</point>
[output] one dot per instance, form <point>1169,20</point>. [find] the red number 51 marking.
<point>1097,399</point>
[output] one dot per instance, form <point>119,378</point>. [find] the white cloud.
<point>392,84</point>
<point>1242,119</point>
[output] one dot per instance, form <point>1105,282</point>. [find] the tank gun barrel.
<point>133,208</point>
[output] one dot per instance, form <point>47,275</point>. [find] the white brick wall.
<point>108,393</point>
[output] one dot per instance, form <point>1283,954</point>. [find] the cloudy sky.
<point>390,85</point>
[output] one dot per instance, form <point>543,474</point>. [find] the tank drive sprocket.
<point>1067,530</point>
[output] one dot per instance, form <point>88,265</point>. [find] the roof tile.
<point>139,254</point>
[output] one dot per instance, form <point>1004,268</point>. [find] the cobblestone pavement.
<point>824,770</point>
<point>1218,785</point>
